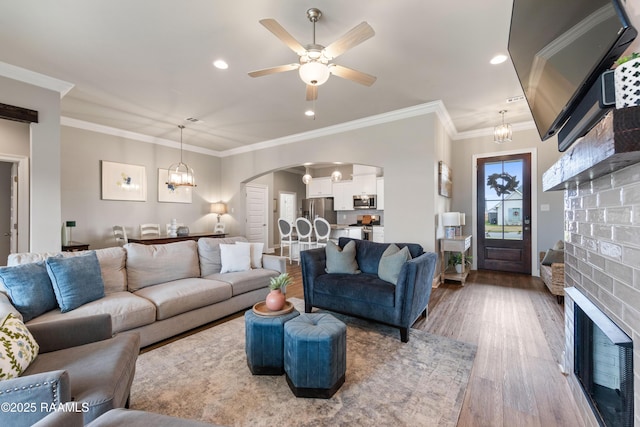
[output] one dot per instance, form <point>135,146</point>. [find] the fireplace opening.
<point>603,364</point>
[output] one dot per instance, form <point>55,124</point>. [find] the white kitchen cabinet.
<point>320,187</point>
<point>364,184</point>
<point>380,193</point>
<point>343,196</point>
<point>378,234</point>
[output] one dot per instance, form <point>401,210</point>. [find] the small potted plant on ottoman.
<point>276,298</point>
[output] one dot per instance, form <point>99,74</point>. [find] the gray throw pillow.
<point>391,263</point>
<point>341,260</point>
<point>552,256</point>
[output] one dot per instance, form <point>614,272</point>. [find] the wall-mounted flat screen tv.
<point>559,50</point>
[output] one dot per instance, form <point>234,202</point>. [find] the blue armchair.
<point>366,295</point>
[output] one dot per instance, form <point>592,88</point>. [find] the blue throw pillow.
<point>76,280</point>
<point>391,263</point>
<point>29,288</point>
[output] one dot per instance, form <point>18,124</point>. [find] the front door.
<point>504,213</point>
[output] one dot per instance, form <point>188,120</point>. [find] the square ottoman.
<point>264,343</point>
<point>315,354</point>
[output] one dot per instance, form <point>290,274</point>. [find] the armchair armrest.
<point>32,396</point>
<point>274,262</point>
<point>413,289</point>
<point>61,334</point>
<point>313,262</point>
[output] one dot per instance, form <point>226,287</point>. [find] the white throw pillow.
<point>235,258</point>
<point>17,347</point>
<point>256,253</point>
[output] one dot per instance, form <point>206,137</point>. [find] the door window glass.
<point>503,200</point>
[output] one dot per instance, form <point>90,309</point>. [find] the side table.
<point>459,244</point>
<point>75,246</point>
<point>264,343</point>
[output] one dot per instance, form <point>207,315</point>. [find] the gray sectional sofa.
<point>163,290</point>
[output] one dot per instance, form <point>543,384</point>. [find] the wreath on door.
<point>502,183</point>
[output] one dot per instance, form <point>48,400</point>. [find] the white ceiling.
<point>146,65</point>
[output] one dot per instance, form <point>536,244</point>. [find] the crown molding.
<point>107,130</point>
<point>35,79</point>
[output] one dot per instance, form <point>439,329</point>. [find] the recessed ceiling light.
<point>220,64</point>
<point>309,113</point>
<point>498,59</point>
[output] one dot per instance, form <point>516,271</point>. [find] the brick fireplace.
<point>600,177</point>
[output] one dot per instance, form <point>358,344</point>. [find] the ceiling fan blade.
<point>353,75</point>
<point>353,37</point>
<point>312,93</point>
<point>273,70</point>
<point>279,31</point>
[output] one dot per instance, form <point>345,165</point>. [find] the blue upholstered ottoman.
<point>264,344</point>
<point>315,354</point>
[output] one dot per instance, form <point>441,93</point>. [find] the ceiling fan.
<point>315,64</point>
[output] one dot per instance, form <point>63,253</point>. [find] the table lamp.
<point>450,221</point>
<point>70,225</point>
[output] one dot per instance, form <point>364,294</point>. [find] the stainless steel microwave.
<point>364,202</point>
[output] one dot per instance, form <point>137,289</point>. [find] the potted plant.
<point>455,259</point>
<point>276,298</point>
<point>626,80</point>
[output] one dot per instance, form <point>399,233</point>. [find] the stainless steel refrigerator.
<point>319,207</point>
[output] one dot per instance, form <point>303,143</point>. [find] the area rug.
<point>388,383</point>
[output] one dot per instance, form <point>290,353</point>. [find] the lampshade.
<point>218,208</point>
<point>451,219</point>
<point>314,73</point>
<point>502,133</point>
<point>180,174</point>
<point>336,176</point>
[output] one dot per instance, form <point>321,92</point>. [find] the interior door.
<point>504,213</point>
<point>256,222</point>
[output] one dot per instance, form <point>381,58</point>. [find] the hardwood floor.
<point>518,327</point>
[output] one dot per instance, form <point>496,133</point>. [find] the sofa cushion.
<point>149,265</point>
<point>112,264</point>
<point>368,288</point>
<point>180,296</point>
<point>391,262</point>
<point>245,281</point>
<point>368,253</point>
<point>341,260</point>
<point>29,288</point>
<point>17,347</point>
<point>256,253</point>
<point>209,253</point>
<point>127,311</point>
<point>76,281</point>
<point>553,256</point>
<point>235,257</point>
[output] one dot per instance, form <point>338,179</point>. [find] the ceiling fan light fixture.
<point>314,73</point>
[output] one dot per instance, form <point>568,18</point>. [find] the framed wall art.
<point>121,181</point>
<point>445,184</point>
<point>176,195</point>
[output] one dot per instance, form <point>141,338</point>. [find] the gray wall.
<point>408,150</point>
<point>44,151</point>
<point>82,152</point>
<point>549,223</point>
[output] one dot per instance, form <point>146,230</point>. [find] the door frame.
<point>535,268</point>
<point>22,216</point>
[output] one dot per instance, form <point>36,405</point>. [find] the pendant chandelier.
<point>306,178</point>
<point>502,133</point>
<point>180,174</point>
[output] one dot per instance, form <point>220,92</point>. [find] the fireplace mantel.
<point>611,145</point>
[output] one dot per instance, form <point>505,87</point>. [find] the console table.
<point>459,244</point>
<point>75,246</point>
<point>158,240</point>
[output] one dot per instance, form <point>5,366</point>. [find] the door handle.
<point>7,234</point>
